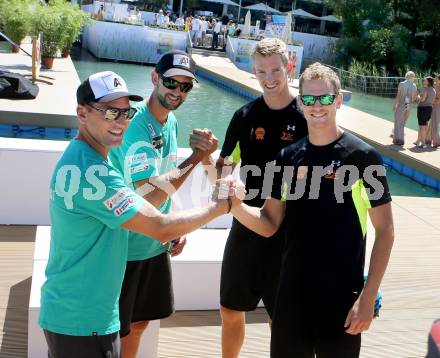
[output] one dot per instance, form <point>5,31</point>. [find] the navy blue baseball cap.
<point>176,63</point>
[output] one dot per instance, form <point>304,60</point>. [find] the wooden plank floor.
<point>16,254</point>
<point>411,291</point>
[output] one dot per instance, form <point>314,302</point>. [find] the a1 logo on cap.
<point>112,82</point>
<point>181,60</point>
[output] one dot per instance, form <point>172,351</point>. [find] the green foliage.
<point>59,23</point>
<point>192,4</point>
<point>367,69</point>
<point>417,58</point>
<point>381,43</point>
<point>361,15</point>
<point>16,19</point>
<point>400,38</point>
<point>73,19</point>
<point>49,23</point>
<point>383,32</point>
<point>152,5</point>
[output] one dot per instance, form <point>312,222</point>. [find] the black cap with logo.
<point>176,63</point>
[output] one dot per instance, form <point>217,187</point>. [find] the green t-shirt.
<point>148,150</point>
<point>88,249</point>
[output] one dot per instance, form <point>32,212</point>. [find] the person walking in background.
<point>160,18</point>
<point>204,29</point>
<point>432,136</point>
<point>180,22</point>
<point>195,28</point>
<point>406,95</point>
<point>424,110</point>
<point>291,67</point>
<point>188,23</point>
<point>217,26</point>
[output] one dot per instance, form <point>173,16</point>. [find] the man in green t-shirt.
<point>91,211</point>
<point>148,160</point>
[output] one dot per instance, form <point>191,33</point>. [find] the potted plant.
<point>73,19</point>
<point>49,23</point>
<point>16,21</point>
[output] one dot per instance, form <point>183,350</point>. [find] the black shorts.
<point>304,326</point>
<point>250,269</point>
<point>424,115</point>
<point>147,291</point>
<point>65,346</point>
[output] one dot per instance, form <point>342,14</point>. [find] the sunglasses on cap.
<point>113,114</point>
<point>172,84</point>
<point>324,99</point>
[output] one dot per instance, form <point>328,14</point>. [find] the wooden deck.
<point>16,253</point>
<point>411,291</point>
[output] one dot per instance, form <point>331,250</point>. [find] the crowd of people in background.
<point>428,110</point>
<point>199,26</point>
<point>219,28</point>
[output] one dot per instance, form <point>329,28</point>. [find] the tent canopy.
<point>224,2</point>
<point>262,7</point>
<point>302,13</point>
<point>330,18</point>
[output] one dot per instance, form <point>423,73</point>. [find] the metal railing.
<point>375,85</point>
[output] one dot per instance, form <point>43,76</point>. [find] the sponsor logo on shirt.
<point>332,173</point>
<point>260,133</point>
<point>126,204</point>
<point>157,142</point>
<point>139,168</point>
<point>287,134</point>
<point>136,159</point>
<point>116,199</point>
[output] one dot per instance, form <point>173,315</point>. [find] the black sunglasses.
<point>324,99</point>
<point>172,84</point>
<point>112,114</point>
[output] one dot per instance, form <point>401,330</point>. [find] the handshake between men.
<point>231,189</point>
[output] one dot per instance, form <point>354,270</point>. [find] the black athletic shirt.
<point>256,134</point>
<point>326,227</point>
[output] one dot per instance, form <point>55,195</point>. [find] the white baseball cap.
<point>104,87</point>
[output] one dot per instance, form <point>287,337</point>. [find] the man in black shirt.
<point>327,184</point>
<point>256,134</point>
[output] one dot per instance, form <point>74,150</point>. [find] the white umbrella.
<point>287,33</point>
<point>302,13</point>
<point>262,7</point>
<point>247,24</point>
<point>330,18</point>
<point>224,2</point>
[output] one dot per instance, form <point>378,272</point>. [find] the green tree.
<point>429,21</point>
<point>390,33</point>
